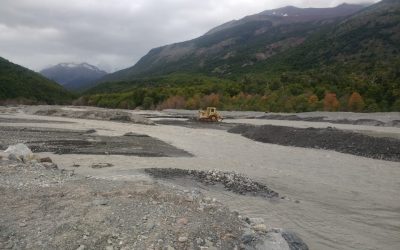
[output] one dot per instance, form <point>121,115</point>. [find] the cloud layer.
<point>114,34</point>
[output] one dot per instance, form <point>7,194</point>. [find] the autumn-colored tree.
<point>211,100</point>
<point>174,102</point>
<point>193,102</point>
<point>331,102</point>
<point>356,102</point>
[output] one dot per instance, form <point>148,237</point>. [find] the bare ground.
<point>53,209</point>
<point>46,208</point>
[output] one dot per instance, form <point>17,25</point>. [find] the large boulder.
<point>19,151</point>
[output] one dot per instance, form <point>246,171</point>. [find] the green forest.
<point>286,92</point>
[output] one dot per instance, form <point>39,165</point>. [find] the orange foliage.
<point>331,103</point>
<point>313,100</point>
<point>174,102</point>
<point>193,102</point>
<point>356,102</point>
<point>211,100</point>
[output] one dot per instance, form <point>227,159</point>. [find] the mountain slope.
<point>349,63</point>
<point>369,37</point>
<point>237,43</point>
<point>17,82</point>
<point>74,76</point>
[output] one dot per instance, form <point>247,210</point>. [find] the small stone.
<point>13,157</point>
<point>150,226</point>
<point>46,159</point>
<point>49,165</point>
<point>109,248</point>
<point>81,247</point>
<point>254,221</point>
<point>182,239</point>
<point>207,199</point>
<point>182,221</point>
<point>189,198</point>
<point>247,237</point>
<point>199,241</point>
<point>100,202</point>
<point>23,224</point>
<point>260,227</point>
<point>209,242</point>
<point>229,236</point>
<point>169,248</point>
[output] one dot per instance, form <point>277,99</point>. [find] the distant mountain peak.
<point>77,65</point>
<point>74,76</point>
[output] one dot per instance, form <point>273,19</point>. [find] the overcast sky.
<point>114,34</point>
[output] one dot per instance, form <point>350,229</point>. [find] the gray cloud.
<point>114,34</point>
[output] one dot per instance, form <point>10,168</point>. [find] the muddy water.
<point>345,201</point>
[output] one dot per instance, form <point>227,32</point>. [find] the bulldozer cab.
<point>211,110</point>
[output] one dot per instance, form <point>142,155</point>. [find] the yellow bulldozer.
<point>209,115</point>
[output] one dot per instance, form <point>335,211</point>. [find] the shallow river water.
<point>343,201</point>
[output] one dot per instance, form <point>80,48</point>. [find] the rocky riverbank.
<point>44,207</point>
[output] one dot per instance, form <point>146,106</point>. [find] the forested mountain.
<point>19,84</point>
<point>74,76</point>
<point>289,59</point>
<point>237,43</point>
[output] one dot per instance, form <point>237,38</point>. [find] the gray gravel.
<point>324,138</point>
<point>232,181</point>
<point>89,113</point>
<point>61,141</point>
<point>48,208</point>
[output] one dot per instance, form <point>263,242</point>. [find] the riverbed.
<point>332,200</point>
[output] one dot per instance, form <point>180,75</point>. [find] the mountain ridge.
<point>74,76</point>
<point>21,84</point>
<point>250,29</point>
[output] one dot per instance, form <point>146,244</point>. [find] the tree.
<point>211,100</point>
<point>174,102</point>
<point>331,102</point>
<point>313,102</point>
<point>396,106</point>
<point>356,102</point>
<point>148,102</point>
